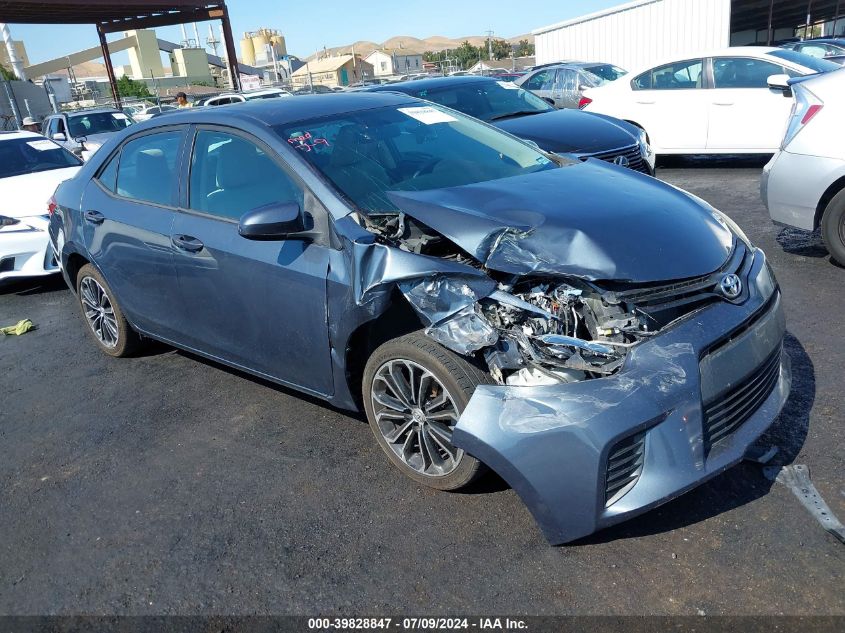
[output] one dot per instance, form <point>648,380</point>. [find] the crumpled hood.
<point>571,131</point>
<point>590,219</point>
<point>27,194</point>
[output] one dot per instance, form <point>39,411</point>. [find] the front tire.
<point>833,228</point>
<point>101,312</point>
<point>414,392</point>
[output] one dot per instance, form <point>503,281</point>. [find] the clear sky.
<point>309,25</point>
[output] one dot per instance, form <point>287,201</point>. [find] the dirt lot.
<point>165,484</point>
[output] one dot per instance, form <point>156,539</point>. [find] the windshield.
<point>28,155</point>
<point>97,123</point>
<point>487,100</point>
<point>813,63</point>
<point>604,73</point>
<point>368,153</point>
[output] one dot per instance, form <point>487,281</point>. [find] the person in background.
<point>31,125</point>
<point>182,100</point>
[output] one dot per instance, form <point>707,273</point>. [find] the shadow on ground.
<point>742,484</point>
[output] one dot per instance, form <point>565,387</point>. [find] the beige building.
<point>20,49</point>
<point>342,70</point>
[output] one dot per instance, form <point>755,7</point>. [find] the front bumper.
<point>793,184</point>
<point>552,443</point>
<point>26,253</point>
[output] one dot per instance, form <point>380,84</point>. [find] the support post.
<point>231,55</point>
<point>770,33</point>
<point>835,18</point>
<point>104,46</point>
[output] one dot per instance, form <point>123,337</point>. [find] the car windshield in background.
<point>28,155</point>
<point>97,123</point>
<point>605,72</point>
<point>814,63</point>
<point>365,154</point>
<point>488,101</point>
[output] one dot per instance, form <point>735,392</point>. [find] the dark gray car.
<point>601,340</point>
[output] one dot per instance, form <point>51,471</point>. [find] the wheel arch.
<point>830,193</point>
<point>75,262</point>
<point>398,320</point>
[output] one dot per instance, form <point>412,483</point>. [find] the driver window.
<point>539,80</point>
<point>231,175</point>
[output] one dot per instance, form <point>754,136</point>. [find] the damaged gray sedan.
<point>601,340</point>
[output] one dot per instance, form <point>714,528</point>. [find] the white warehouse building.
<point>640,32</point>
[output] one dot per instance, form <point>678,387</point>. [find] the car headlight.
<point>8,225</point>
<point>645,147</point>
<point>732,226</point>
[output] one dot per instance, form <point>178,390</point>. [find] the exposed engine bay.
<point>530,330</point>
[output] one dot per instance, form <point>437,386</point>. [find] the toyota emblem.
<point>622,161</point>
<point>731,286</point>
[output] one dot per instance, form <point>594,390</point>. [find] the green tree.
<point>130,88</point>
<point>524,48</point>
<point>501,49</point>
<point>6,74</point>
<point>467,54</point>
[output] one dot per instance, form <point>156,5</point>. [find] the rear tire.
<point>101,312</point>
<point>414,391</point>
<point>833,228</point>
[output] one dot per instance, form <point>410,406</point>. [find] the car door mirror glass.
<point>274,221</point>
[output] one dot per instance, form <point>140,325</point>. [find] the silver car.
<point>562,84</point>
<point>85,131</point>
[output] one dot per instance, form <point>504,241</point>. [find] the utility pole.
<point>490,44</point>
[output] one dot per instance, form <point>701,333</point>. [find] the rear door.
<point>671,104</point>
<point>257,304</point>
<point>745,115</point>
<point>127,213</point>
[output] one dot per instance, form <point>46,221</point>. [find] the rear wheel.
<point>414,392</point>
<point>833,227</point>
<point>105,319</point>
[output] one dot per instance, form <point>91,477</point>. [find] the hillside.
<point>433,43</point>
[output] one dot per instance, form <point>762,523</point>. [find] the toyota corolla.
<point>600,339</point>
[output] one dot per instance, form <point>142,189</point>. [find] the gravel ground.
<point>165,484</point>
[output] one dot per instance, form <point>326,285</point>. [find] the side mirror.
<point>549,100</point>
<point>59,136</point>
<point>274,221</point>
<point>781,83</point>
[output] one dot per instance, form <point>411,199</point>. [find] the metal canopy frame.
<point>757,15</point>
<point>114,16</point>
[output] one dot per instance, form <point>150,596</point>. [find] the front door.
<point>259,305</point>
<point>127,213</point>
<point>745,114</point>
<point>542,83</point>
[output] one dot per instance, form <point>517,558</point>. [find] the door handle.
<point>94,217</point>
<point>646,102</point>
<point>723,103</point>
<point>187,243</point>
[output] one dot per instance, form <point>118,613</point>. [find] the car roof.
<point>17,134</point>
<point>429,84</point>
<point>732,51</point>
<point>88,111</point>
<point>282,111</point>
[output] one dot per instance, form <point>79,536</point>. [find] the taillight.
<point>51,205</point>
<point>584,102</point>
<point>812,111</point>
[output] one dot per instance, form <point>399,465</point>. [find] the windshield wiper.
<point>509,115</point>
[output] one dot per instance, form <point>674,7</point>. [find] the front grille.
<point>632,154</point>
<point>724,415</point>
<point>663,303</point>
<point>624,466</point>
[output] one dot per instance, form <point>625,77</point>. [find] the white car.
<point>714,103</point>
<point>804,184</point>
<point>150,111</point>
<point>31,167</point>
<point>241,97</point>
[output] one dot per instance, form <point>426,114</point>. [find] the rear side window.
<point>686,75</point>
<point>542,80</point>
<point>147,170</point>
<point>231,175</point>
